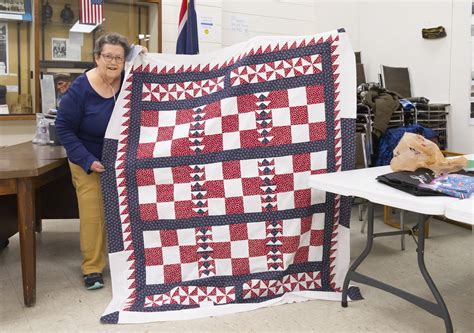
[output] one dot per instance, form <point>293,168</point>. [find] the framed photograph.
<point>3,48</point>
<point>59,48</point>
<point>13,6</point>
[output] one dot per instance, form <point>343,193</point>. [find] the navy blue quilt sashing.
<point>207,157</point>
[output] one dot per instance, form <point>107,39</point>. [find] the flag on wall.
<point>187,29</point>
<point>92,11</point>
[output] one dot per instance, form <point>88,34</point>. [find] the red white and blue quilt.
<point>208,206</point>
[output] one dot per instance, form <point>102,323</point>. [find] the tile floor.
<point>63,305</point>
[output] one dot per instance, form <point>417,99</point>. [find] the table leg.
<point>363,255</point>
<point>26,228</point>
<point>429,281</point>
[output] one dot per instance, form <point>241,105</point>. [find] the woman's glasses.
<point>109,57</point>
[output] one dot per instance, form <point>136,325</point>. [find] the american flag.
<point>92,11</point>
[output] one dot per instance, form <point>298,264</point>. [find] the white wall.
<point>16,131</point>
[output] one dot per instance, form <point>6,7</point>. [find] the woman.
<point>82,119</point>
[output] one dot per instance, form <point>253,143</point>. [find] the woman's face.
<point>110,61</point>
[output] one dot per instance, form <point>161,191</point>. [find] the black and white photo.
<point>12,6</point>
<point>59,48</point>
<point>3,48</point>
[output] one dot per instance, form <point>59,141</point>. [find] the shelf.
<point>17,117</point>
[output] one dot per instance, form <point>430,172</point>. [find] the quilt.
<point>207,202</point>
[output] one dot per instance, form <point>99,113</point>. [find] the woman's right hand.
<point>96,166</point>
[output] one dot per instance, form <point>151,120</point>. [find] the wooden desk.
<point>34,184</point>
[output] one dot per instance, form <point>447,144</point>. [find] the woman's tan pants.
<point>91,215</point>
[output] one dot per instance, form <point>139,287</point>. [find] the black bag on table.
<point>408,181</point>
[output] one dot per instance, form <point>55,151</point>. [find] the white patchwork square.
<point>181,131</point>
<point>239,249</point>
<point>316,113</point>
<point>305,239</point>
<point>317,196</point>
<point>301,180</point>
<point>154,275</point>
<point>216,206</point>
<point>186,236</point>
<point>281,117</point>
<point>182,192</point>
<point>252,204</point>
<point>256,230</point>
<point>248,168</point>
<point>151,239</point>
<point>317,223</point>
<point>148,134</point>
<point>213,126</point>
<point>231,140</point>
<point>297,96</point>
<point>165,210</point>
<point>213,171</point>
<point>233,188</point>
<point>247,121</point>
<point>220,233</point>
<point>258,264</point>
<point>147,194</point>
<point>283,165</point>
<point>167,118</point>
<point>162,149</point>
<point>223,267</point>
<point>315,253</point>
<point>163,176</point>
<point>291,227</point>
<point>319,160</point>
<point>171,255</point>
<point>189,271</point>
<point>286,200</point>
<point>300,133</point>
<point>229,106</point>
<point>288,259</point>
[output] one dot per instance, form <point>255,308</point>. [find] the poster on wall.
<point>15,10</point>
<point>59,48</point>
<point>3,48</point>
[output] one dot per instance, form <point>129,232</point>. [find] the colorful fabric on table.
<point>207,198</point>
<point>454,185</point>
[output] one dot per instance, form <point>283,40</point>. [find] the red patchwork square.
<point>234,205</point>
<point>251,186</point>
<point>172,273</point>
<point>212,143</point>
<point>221,250</point>
<point>278,99</point>
<point>231,169</point>
<point>306,223</point>
<point>284,183</point>
<point>153,256</point>
<point>317,131</point>
<point>212,110</point>
<point>281,135</point>
<point>238,231</point>
<point>214,188</point>
<point>145,177</point>
<point>230,123</point>
<point>181,174</point>
<point>181,147</point>
<point>145,150</point>
<point>247,103</point>
<point>301,255</point>
<point>188,253</point>
<point>258,247</point>
<point>302,198</point>
<point>165,193</point>
<point>240,266</point>
<point>249,139</point>
<point>317,238</point>
<point>169,238</point>
<point>184,116</point>
<point>299,115</point>
<point>290,244</point>
<point>165,133</point>
<point>301,162</point>
<point>148,212</point>
<point>184,209</point>
<point>149,118</point>
<point>315,94</point>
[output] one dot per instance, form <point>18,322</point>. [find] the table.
<point>362,183</point>
<point>34,184</point>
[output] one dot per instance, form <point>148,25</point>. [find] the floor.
<point>63,305</point>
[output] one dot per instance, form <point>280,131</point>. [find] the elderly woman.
<point>82,119</point>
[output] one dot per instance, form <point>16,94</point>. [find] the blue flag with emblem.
<point>188,42</point>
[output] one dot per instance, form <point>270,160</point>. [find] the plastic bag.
<point>414,151</point>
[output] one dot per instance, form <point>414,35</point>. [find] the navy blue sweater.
<point>82,119</point>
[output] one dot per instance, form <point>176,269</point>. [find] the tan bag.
<point>414,151</point>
